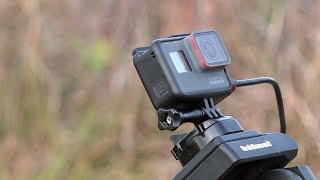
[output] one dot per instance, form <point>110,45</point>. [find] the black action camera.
<point>180,71</point>
<point>185,77</point>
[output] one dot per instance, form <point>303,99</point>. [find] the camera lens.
<point>208,49</point>
<point>212,52</point>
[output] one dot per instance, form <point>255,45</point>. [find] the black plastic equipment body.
<point>231,153</point>
<point>220,149</point>
<point>172,73</point>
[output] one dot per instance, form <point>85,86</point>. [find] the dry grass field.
<point>72,105</point>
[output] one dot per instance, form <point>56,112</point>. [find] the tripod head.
<point>185,77</point>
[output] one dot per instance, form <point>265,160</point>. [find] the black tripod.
<point>218,147</point>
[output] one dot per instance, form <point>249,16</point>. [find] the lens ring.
<point>209,50</point>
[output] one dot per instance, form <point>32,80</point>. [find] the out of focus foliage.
<point>73,107</point>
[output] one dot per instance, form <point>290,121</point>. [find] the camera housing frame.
<point>177,73</point>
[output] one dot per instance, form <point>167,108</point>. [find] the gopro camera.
<point>181,70</point>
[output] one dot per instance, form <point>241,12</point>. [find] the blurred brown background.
<point>72,105</point>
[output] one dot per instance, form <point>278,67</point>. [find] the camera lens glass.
<point>208,49</point>
<point>212,50</point>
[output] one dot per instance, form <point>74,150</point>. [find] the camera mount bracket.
<point>171,119</point>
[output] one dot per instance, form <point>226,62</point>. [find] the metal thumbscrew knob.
<point>169,119</point>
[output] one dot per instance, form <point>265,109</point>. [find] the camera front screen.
<point>180,61</point>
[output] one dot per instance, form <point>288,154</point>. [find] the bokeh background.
<point>72,105</point>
